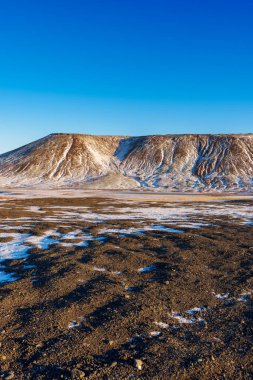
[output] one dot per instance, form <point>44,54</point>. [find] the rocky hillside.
<point>168,162</point>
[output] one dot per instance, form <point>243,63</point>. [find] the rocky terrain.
<point>103,289</point>
<point>166,163</point>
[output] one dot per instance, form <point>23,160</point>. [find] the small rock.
<point>138,364</point>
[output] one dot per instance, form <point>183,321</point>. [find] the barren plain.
<point>109,285</point>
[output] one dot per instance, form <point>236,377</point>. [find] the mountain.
<point>162,162</point>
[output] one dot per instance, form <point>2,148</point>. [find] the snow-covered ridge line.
<point>162,162</point>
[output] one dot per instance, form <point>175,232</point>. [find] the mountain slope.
<point>60,157</point>
<point>173,162</point>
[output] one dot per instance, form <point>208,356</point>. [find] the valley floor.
<point>125,286</point>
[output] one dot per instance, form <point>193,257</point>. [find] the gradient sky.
<point>127,67</point>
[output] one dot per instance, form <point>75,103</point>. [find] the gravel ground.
<point>110,296</point>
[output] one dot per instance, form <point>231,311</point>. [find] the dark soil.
<point>115,315</point>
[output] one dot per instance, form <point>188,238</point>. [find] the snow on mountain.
<point>168,162</point>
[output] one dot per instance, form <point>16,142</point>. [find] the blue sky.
<point>124,67</point>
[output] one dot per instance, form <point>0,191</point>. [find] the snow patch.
<point>6,277</point>
<point>162,325</point>
<point>99,269</point>
<point>148,268</point>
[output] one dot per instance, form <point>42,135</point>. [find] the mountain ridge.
<point>161,162</point>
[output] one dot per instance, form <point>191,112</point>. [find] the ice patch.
<point>8,235</point>
<point>149,268</point>
<point>179,213</point>
<point>195,310</point>
<point>73,235</point>
<point>130,288</point>
<point>69,207</point>
<point>193,225</point>
<point>42,242</point>
<point>4,227</point>
<point>221,296</point>
<point>6,277</point>
<point>15,249</point>
<point>139,231</point>
<point>21,243</point>
<point>83,239</point>
<point>99,269</point>
<point>163,228</point>
<point>181,319</point>
<point>73,325</point>
<point>121,231</point>
<point>244,297</point>
<point>35,209</point>
<point>162,325</point>
<point>74,244</point>
<point>29,266</point>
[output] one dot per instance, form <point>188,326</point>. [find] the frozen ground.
<point>134,196</point>
<point>182,216</point>
<point>121,288</point>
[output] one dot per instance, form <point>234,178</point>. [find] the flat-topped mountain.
<point>164,162</point>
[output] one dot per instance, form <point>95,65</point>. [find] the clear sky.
<point>129,67</point>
